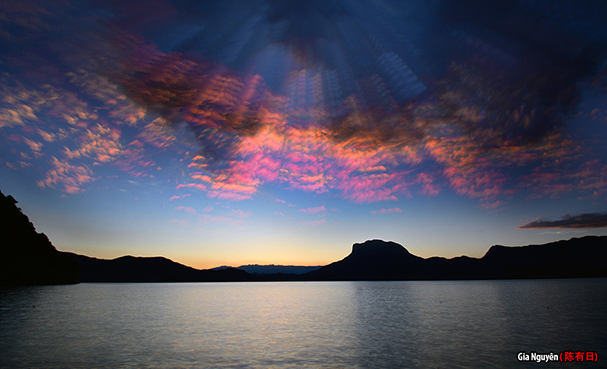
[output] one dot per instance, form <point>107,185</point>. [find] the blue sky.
<point>259,132</point>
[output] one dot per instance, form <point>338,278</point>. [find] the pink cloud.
<point>134,161</point>
<point>99,142</point>
<point>493,205</point>
<point>157,134</point>
<point>355,157</point>
<point>46,136</point>
<point>313,210</point>
<point>228,196</point>
<point>369,196</point>
<point>198,186</point>
<point>428,184</point>
<point>206,218</point>
<point>71,177</point>
<point>314,223</point>
<point>318,187</point>
<point>387,211</point>
<point>180,221</point>
<point>240,213</point>
<point>179,197</point>
<point>186,209</point>
<point>34,146</point>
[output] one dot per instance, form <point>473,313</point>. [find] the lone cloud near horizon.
<point>590,220</point>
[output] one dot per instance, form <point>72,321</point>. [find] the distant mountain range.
<point>28,258</point>
<point>273,269</point>
<point>148,269</point>
<point>374,260</point>
<point>160,269</point>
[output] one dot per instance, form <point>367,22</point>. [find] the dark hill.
<point>149,269</point>
<point>380,260</point>
<point>372,260</point>
<point>577,257</point>
<point>26,256</point>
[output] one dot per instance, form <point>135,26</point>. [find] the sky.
<point>282,132</point>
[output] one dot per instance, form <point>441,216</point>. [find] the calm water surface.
<point>302,324</point>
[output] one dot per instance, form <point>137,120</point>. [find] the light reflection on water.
<point>301,324</point>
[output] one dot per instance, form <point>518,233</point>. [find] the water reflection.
<point>555,314</point>
<point>476,323</point>
<point>311,324</point>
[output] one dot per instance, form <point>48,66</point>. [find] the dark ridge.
<point>150,269</point>
<point>160,269</point>
<point>577,257</point>
<point>584,257</point>
<point>379,260</point>
<point>28,257</point>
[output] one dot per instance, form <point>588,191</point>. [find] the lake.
<point>399,324</point>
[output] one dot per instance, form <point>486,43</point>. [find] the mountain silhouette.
<point>577,257</point>
<point>29,258</point>
<point>149,269</point>
<point>26,256</point>
<point>160,269</point>
<point>377,260</point>
<point>372,260</point>
<point>381,260</point>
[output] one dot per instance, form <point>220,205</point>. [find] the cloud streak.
<point>581,221</point>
